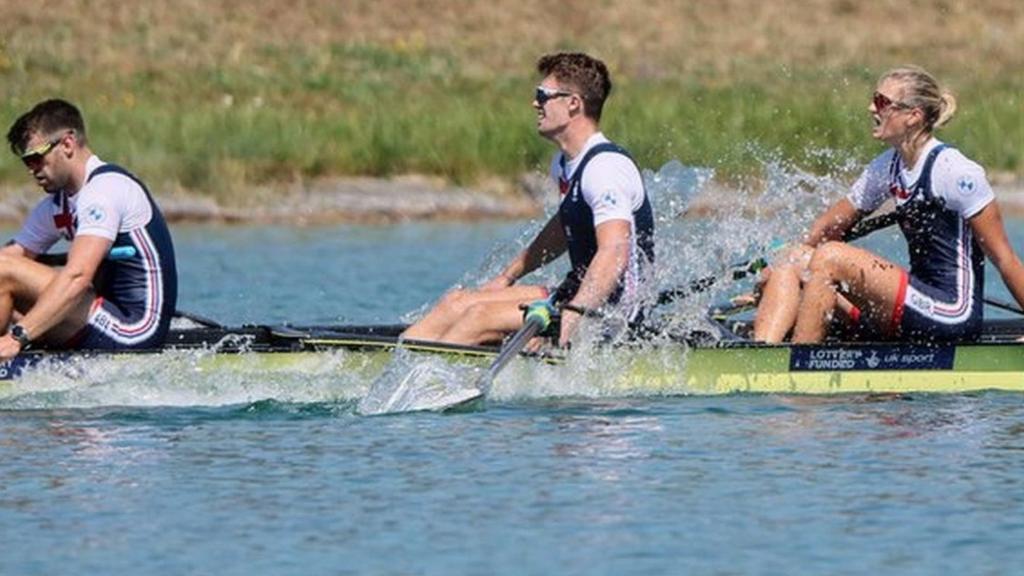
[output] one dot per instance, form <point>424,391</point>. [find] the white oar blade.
<point>417,382</point>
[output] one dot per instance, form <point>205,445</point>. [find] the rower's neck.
<point>572,140</point>
<point>79,170</point>
<point>910,148</point>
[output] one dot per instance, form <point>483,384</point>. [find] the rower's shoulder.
<point>952,166</point>
<point>111,179</point>
<point>883,160</point>
<point>954,158</point>
<point>611,166</point>
<point>961,182</point>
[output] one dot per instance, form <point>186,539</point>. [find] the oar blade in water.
<point>416,383</point>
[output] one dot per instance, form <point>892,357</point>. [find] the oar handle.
<point>539,311</point>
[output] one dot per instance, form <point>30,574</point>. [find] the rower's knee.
<point>7,262</point>
<point>792,259</point>
<point>827,259</point>
<point>475,314</point>
<point>473,324</point>
<point>8,265</point>
<point>457,301</point>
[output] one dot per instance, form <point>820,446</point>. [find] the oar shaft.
<point>511,349</point>
<point>537,318</point>
<point>865,227</point>
<point>1008,306</point>
<point>702,284</point>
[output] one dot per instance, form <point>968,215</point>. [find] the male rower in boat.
<point>604,220</point>
<point>118,288</point>
<point>949,217</point>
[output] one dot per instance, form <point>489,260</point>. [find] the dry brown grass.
<point>654,38</point>
<point>214,96</point>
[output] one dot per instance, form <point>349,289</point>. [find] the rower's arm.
<point>607,266</point>
<point>71,284</point>
<point>549,244</point>
<point>833,224</point>
<point>603,273</point>
<point>991,235</point>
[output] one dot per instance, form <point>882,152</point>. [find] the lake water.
<point>156,473</point>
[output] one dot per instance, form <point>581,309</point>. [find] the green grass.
<point>365,110</point>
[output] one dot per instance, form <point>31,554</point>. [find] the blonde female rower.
<point>948,215</point>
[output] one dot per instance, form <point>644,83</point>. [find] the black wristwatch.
<point>19,333</point>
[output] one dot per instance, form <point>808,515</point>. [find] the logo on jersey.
<point>966,185</point>
<point>920,302</point>
<point>608,199</point>
<point>94,214</point>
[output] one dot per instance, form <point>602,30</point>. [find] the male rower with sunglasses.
<point>604,221</point>
<point>118,289</point>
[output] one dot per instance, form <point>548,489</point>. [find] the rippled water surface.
<point>158,470</point>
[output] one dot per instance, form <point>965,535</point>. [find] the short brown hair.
<point>584,74</point>
<point>47,117</point>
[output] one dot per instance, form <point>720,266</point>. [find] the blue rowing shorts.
<point>112,328</point>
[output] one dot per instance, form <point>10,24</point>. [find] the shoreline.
<point>382,201</point>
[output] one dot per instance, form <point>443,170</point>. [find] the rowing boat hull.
<point>359,354</point>
<point>840,369</point>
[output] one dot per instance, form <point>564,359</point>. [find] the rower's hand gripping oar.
<point>536,319</point>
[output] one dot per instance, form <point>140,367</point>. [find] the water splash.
<point>195,378</point>
<point>738,222</point>
<point>413,382</point>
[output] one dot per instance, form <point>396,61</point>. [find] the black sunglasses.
<point>542,95</point>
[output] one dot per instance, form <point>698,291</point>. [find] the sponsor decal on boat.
<point>839,358</point>
<point>11,369</point>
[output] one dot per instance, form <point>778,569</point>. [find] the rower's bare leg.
<point>870,282</point>
<point>21,282</point>
<point>780,296</point>
<point>453,306</point>
<point>486,322</point>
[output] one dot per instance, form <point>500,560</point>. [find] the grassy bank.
<point>216,98</point>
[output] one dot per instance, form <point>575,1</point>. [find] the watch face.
<point>19,334</point>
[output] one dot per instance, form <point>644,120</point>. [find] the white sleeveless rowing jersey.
<point>137,291</point>
<point>941,296</point>
<point>600,184</point>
